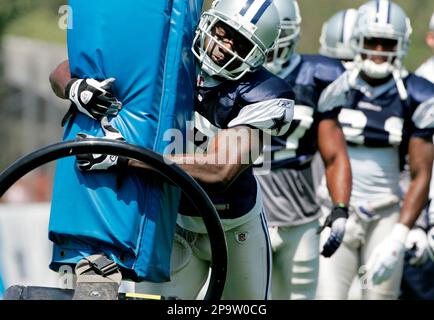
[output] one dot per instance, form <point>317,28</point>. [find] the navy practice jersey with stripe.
<point>377,117</point>
<point>308,75</point>
<point>259,100</point>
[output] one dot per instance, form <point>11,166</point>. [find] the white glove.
<point>275,239</point>
<point>92,162</point>
<point>430,240</point>
<point>386,256</point>
<point>92,97</point>
<point>430,233</point>
<point>417,247</point>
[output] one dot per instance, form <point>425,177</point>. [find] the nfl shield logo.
<point>241,236</point>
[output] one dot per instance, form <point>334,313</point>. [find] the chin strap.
<point>397,75</point>
<point>353,74</point>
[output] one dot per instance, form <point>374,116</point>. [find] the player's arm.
<point>229,153</point>
<point>89,96</point>
<point>60,78</point>
<point>332,147</point>
<point>421,152</point>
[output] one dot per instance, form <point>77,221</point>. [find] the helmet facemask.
<point>381,23</point>
<point>231,61</point>
<point>396,32</point>
<point>285,45</point>
<point>393,53</point>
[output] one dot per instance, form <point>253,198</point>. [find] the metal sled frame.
<point>170,172</point>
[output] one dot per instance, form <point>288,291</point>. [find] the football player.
<point>289,194</point>
<point>384,108</point>
<point>417,280</point>
<point>336,35</point>
<point>233,94</point>
<point>235,98</point>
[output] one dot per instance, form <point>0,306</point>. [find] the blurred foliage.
<point>315,12</point>
<point>39,19</point>
<point>25,17</point>
<point>41,23</point>
<point>10,10</point>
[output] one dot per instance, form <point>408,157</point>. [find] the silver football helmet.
<point>381,19</point>
<point>336,35</point>
<point>290,20</point>
<point>253,26</point>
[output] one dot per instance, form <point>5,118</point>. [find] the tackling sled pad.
<point>145,45</point>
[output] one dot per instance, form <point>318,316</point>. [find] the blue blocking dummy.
<point>145,45</point>
<point>2,288</point>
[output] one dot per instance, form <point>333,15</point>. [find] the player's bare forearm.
<point>209,173</point>
<point>421,153</point>
<point>227,156</point>
<point>59,79</point>
<point>229,153</point>
<point>199,167</point>
<point>332,147</point>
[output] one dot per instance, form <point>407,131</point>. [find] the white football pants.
<point>249,264</point>
<point>295,261</point>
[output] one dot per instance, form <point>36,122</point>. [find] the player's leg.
<point>336,273</point>
<point>249,261</point>
<point>377,232</point>
<point>188,272</point>
<point>305,263</point>
<point>283,249</point>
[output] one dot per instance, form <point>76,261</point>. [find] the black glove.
<point>101,162</point>
<point>91,98</point>
<point>336,221</point>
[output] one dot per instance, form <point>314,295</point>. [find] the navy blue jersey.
<point>308,75</point>
<point>377,117</point>
<point>260,100</point>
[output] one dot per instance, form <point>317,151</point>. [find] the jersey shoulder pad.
<point>322,69</point>
<point>273,116</point>
<point>421,93</point>
<point>418,88</point>
<point>335,94</point>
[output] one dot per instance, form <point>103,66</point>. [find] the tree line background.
<point>315,12</point>
<point>39,19</point>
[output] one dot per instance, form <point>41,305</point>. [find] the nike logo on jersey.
<point>369,106</point>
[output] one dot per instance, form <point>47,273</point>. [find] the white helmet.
<point>336,35</point>
<point>386,20</point>
<point>255,21</point>
<point>290,20</point>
